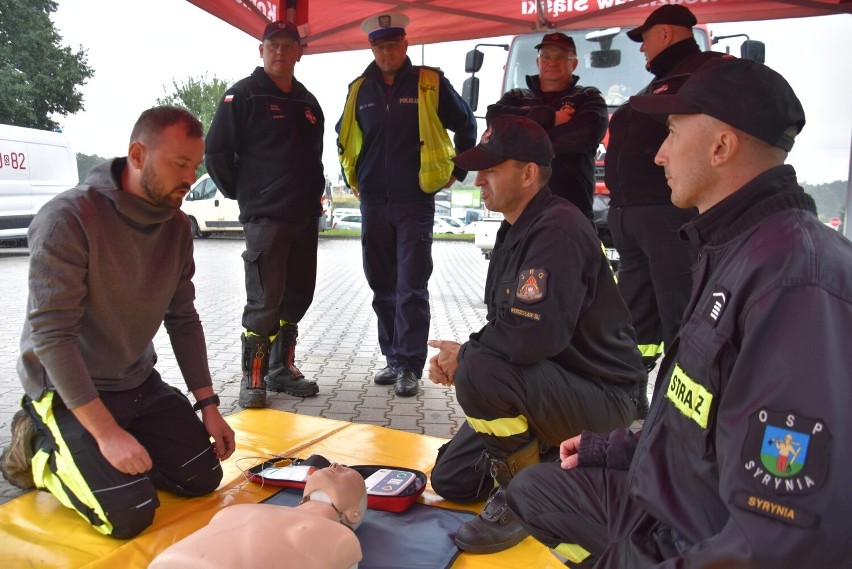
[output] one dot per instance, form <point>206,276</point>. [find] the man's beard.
<point>153,188</point>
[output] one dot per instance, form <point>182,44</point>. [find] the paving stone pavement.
<point>337,342</point>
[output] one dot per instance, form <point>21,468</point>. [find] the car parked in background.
<point>348,221</point>
<point>446,224</point>
<point>209,210</point>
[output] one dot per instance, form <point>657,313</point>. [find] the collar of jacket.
<point>770,192</point>
<point>261,77</point>
<point>375,74</point>
<point>534,83</point>
<point>106,179</point>
<point>672,55</point>
<point>509,234</point>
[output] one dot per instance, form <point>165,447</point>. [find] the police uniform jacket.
<point>264,149</point>
<point>389,164</point>
<point>551,295</point>
<point>575,143</point>
<point>632,177</point>
<point>762,358</point>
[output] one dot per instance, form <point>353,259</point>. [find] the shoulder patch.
<point>229,97</point>
<point>786,453</point>
<point>532,285</point>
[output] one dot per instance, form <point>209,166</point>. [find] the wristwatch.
<point>205,402</point>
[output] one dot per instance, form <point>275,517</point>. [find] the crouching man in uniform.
<point>558,354</point>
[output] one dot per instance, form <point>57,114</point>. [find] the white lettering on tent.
<point>557,8</point>
<point>265,7</point>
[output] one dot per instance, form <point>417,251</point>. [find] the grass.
<point>436,237</point>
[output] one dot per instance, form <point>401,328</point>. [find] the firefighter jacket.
<point>738,459</point>
<point>264,149</point>
<point>632,177</point>
<point>575,143</point>
<point>551,294</point>
<point>388,166</point>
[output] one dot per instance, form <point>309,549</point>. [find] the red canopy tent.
<point>334,25</point>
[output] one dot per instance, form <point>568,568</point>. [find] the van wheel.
<point>195,231</point>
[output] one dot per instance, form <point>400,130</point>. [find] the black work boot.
<point>497,528</point>
<point>255,364</point>
<point>17,459</point>
<point>283,373</point>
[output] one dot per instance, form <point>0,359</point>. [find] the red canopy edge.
<point>334,25</point>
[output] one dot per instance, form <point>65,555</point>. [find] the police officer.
<point>741,462</point>
<point>395,154</point>
<point>558,354</point>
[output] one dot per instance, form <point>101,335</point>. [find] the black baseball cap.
<point>281,27</point>
<point>508,137</point>
<point>673,14</point>
<point>558,39</point>
<point>745,94</point>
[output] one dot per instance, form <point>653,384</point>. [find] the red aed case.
<point>287,473</point>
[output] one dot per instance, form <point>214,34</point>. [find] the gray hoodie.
<point>106,270</point>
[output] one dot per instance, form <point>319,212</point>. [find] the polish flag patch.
<point>229,98</point>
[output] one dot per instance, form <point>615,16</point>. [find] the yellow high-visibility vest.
<point>436,148</point>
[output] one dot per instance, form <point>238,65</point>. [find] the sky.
<point>137,49</point>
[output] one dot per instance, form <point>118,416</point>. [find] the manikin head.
<point>343,489</point>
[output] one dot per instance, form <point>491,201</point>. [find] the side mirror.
<point>473,61</point>
<point>605,59</point>
<point>470,92</point>
<point>754,50</point>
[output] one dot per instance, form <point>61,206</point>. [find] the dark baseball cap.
<point>745,94</point>
<point>281,27</point>
<point>558,39</point>
<point>673,14</point>
<point>508,137</point>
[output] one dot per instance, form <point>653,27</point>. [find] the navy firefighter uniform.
<point>738,463</point>
<point>557,355</point>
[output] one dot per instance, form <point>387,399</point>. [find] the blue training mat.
<point>419,538</point>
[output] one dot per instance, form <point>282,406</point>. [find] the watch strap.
<point>214,400</point>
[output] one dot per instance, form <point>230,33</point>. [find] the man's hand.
<point>120,448</point>
<point>443,365</point>
<point>568,452</point>
<point>564,115</point>
<point>222,433</point>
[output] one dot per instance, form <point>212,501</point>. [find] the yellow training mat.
<point>36,531</point>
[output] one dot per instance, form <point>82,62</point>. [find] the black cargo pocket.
<point>254,288</point>
<point>129,508</point>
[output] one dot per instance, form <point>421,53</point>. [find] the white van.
<point>209,210</point>
<point>35,165</point>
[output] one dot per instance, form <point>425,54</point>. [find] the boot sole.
<point>307,392</point>
<point>16,455</point>
<point>256,400</point>
<point>492,548</point>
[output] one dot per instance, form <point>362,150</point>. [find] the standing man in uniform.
<point>264,149</point>
<point>654,268</point>
<point>558,354</point>
<point>575,118</point>
<point>763,355</point>
<point>110,262</point>
<point>396,154</point>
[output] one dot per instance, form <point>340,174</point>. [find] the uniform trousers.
<point>509,405</point>
<point>280,271</point>
<point>396,239</point>
<point>587,516</point>
<point>654,271</point>
<point>68,461</point>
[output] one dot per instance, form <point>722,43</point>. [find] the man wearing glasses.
<point>575,117</point>
<point>395,154</point>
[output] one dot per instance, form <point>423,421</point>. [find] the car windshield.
<point>608,60</point>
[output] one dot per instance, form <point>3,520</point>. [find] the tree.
<point>86,162</point>
<point>38,77</point>
<point>198,95</point>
